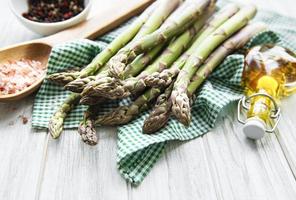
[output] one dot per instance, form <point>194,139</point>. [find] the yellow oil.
<point>270,70</point>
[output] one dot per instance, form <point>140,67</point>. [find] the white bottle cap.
<point>254,128</point>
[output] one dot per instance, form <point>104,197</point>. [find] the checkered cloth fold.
<point>137,153</point>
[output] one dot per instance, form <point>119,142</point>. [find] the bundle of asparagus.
<point>114,88</point>
<point>164,56</point>
<point>187,16</point>
<point>166,76</point>
<point>146,23</point>
<point>161,112</point>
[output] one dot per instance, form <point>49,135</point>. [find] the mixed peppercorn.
<point>49,11</point>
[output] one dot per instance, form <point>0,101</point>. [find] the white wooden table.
<point>221,165</point>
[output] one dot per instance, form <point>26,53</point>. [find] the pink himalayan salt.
<point>17,75</point>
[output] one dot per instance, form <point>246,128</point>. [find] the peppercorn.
<point>53,10</point>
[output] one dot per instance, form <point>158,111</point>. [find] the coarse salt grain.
<point>17,75</point>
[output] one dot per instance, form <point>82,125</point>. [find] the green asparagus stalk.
<point>92,100</point>
<point>124,114</point>
<point>102,58</point>
<point>118,63</point>
<point>161,12</point>
<point>56,122</point>
<point>137,65</point>
<point>153,22</point>
<point>165,77</point>
<point>86,127</point>
<point>114,88</point>
<point>78,84</point>
<point>235,42</point>
<point>235,23</point>
<point>160,114</point>
<point>141,62</point>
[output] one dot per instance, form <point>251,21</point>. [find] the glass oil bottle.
<point>269,75</point>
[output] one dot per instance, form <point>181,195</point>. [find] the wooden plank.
<point>286,131</point>
<point>189,173</point>
<point>78,171</point>
<point>20,146</point>
<point>155,186</point>
<point>245,169</point>
<point>20,151</point>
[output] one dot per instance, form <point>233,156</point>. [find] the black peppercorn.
<point>53,10</point>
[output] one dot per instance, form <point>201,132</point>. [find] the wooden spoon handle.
<point>103,22</point>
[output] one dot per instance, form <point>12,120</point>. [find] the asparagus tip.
<point>107,87</point>
<point>119,116</point>
<point>181,107</point>
<point>118,65</point>
<point>55,127</point>
<point>87,132</point>
<point>155,122</point>
<point>161,113</point>
<point>63,78</point>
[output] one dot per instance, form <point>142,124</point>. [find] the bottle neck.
<point>260,107</point>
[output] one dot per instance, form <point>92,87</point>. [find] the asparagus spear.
<point>78,84</point>
<point>153,22</point>
<point>55,125</point>
<point>114,88</point>
<point>57,120</point>
<point>119,62</point>
<point>228,28</point>
<point>159,15</point>
<point>101,59</point>
<point>161,112</point>
<point>235,42</point>
<point>137,65</point>
<point>141,61</point>
<point>86,127</point>
<point>124,114</point>
<point>165,77</point>
<point>92,100</point>
<point>150,24</point>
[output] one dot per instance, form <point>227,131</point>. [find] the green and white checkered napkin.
<point>137,153</point>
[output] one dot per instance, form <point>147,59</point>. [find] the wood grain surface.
<point>221,165</point>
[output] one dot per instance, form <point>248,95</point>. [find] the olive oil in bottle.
<point>269,75</point>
